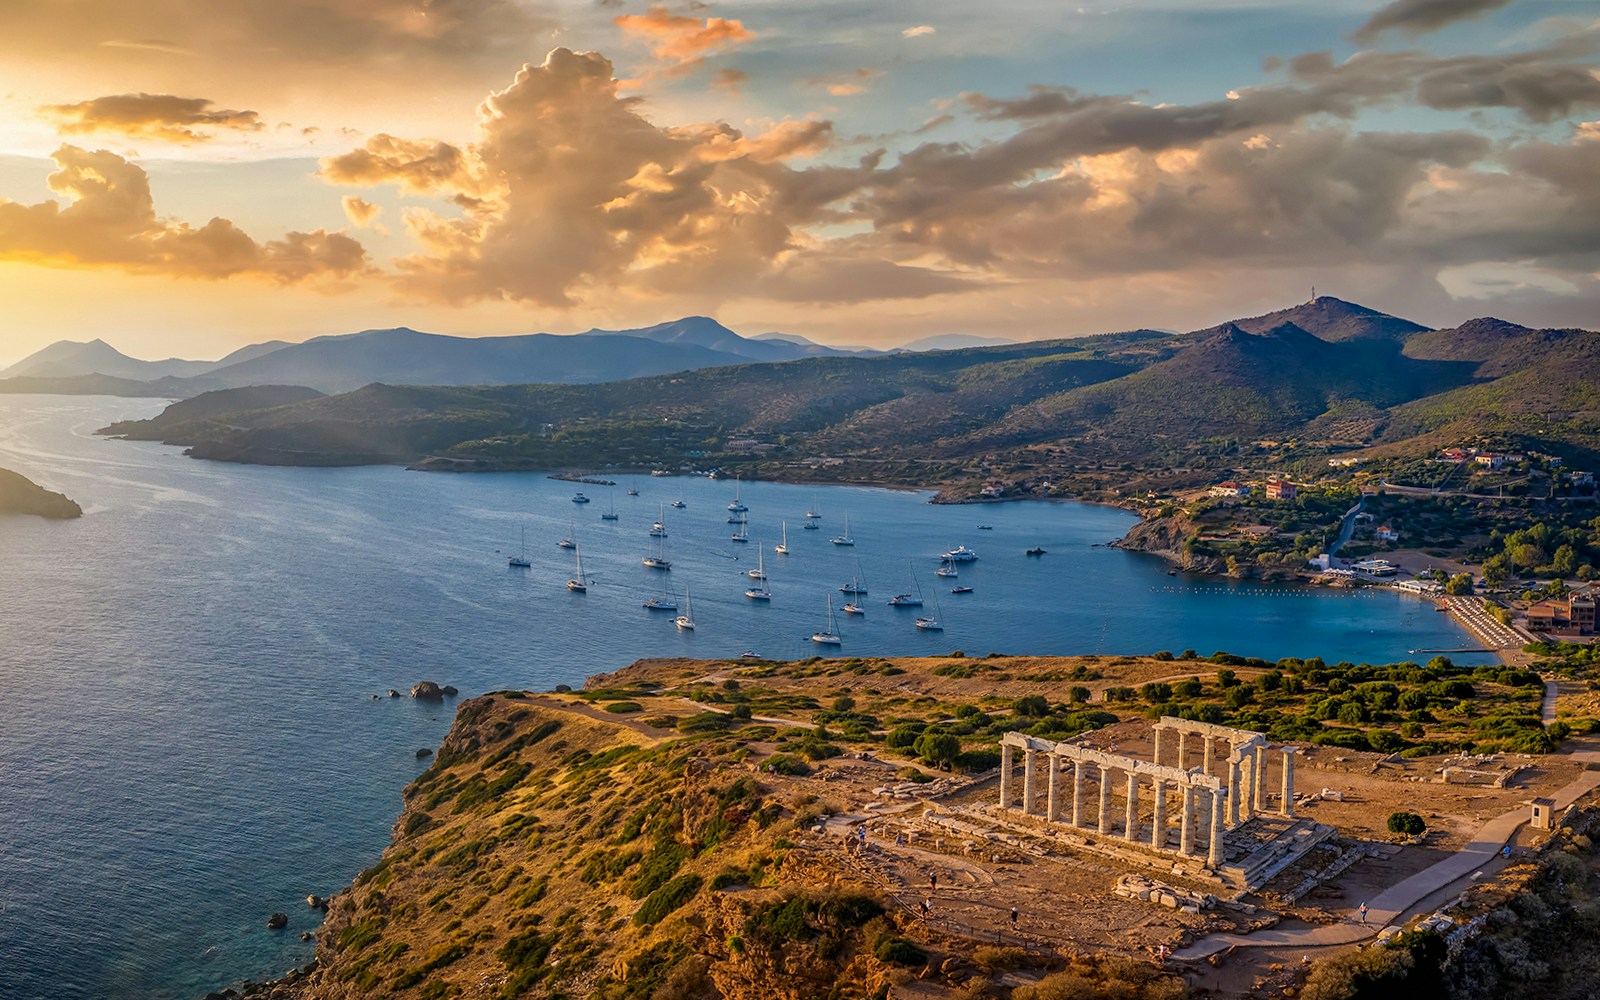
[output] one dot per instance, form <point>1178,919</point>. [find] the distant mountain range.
<point>1321,378</point>
<point>403,356</point>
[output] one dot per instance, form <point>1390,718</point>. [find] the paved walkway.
<point>1389,905</point>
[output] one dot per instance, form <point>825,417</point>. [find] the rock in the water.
<point>427,691</point>
<point>278,921</point>
<point>314,901</point>
<point>305,935</point>
<point>393,693</point>
<point>563,688</point>
<point>424,752</point>
<point>450,691</point>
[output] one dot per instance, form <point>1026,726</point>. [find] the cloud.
<point>1415,17</point>
<point>151,116</point>
<point>731,80</point>
<point>844,84</point>
<point>109,220</point>
<point>359,211</point>
<point>679,42</point>
<point>417,165</point>
<point>918,31</point>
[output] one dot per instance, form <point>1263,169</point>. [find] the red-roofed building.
<point>1281,489</point>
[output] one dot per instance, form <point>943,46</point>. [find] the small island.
<point>21,495</point>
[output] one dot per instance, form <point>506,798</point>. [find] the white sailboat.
<point>760,572</point>
<point>929,623</point>
<point>611,512</point>
<point>858,583</point>
<point>908,600</point>
<point>743,534</point>
<point>665,602</point>
<point>947,569</point>
<point>830,635</point>
<point>580,584</point>
<point>659,529</point>
<point>521,561</point>
<point>657,559</point>
<point>759,592</point>
<point>845,538</point>
<point>854,609</point>
<point>685,621</point>
<point>737,506</point>
<point>567,542</point>
<point>813,514</point>
<point>782,548</point>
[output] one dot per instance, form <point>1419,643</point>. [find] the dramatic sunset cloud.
<point>677,41</point>
<point>151,116</point>
<point>109,220</point>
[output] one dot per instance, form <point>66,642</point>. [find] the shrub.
<point>666,899</point>
<point>1033,705</point>
<point>622,707</point>
<point>898,951</point>
<point>787,764</point>
<point>1406,822</point>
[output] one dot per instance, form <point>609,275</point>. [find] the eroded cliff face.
<point>551,851</point>
<point>1169,538</point>
<point>20,495</point>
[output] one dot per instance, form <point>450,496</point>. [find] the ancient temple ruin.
<point>1208,812</point>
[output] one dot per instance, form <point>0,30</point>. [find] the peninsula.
<point>20,495</point>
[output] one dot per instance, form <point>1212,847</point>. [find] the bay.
<point>190,738</point>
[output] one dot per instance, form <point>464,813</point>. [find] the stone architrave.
<point>1130,828</point>
<point>1052,789</point>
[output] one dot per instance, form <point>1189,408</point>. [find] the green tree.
<point>1460,585</point>
<point>1565,562</point>
<point>1406,822</point>
<point>938,748</point>
<point>1033,705</point>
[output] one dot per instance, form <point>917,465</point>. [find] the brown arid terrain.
<point>751,828</point>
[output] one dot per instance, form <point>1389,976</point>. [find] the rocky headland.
<point>21,495</point>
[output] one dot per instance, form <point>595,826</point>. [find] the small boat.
<point>567,542</point>
<point>853,587</point>
<point>985,527</point>
<point>632,492</point>
<point>679,503</point>
<point>812,514</point>
<point>665,602</point>
<point>930,623</point>
<point>685,621</point>
<point>659,528</point>
<point>580,583</point>
<point>854,609</point>
<point>1036,551</point>
<point>960,590</point>
<point>908,600</point>
<point>611,512</point>
<point>959,554</point>
<point>749,654</point>
<point>782,548</point>
<point>845,538</point>
<point>812,526</point>
<point>830,635</point>
<point>737,506</point>
<point>657,559</point>
<point>759,592</point>
<point>579,498</point>
<point>948,569</point>
<point>521,560</point>
<point>743,534</point>
<point>760,572</point>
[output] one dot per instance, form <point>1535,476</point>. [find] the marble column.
<point>1077,793</point>
<point>1158,823</point>
<point>1005,775</point>
<point>1216,855</point>
<point>1053,797</point>
<point>1182,749</point>
<point>1155,744</point>
<point>1186,822</point>
<point>1260,771</point>
<point>1288,782</point>
<point>1030,782</point>
<point>1130,828</point>
<point>1233,794</point>
<point>1247,785</point>
<point>1105,802</point>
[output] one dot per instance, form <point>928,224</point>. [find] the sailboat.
<point>665,602</point>
<point>657,559</point>
<point>567,542</point>
<point>812,514</point>
<point>743,534</point>
<point>782,548</point>
<point>632,492</point>
<point>857,584</point>
<point>521,561</point>
<point>908,600</point>
<point>659,529</point>
<point>580,584</point>
<point>830,635</point>
<point>948,569</point>
<point>931,623</point>
<point>759,592</point>
<point>845,538</point>
<point>854,609</point>
<point>611,512</point>
<point>685,621</point>
<point>737,507</point>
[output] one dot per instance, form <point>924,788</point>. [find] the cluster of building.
<point>1488,459</point>
<point>1276,489</point>
<point>1572,614</point>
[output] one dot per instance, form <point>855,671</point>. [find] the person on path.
<point>933,881</point>
<point>1013,918</point>
<point>1363,911</point>
<point>927,907</point>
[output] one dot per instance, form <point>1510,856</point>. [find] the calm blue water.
<point>188,740</point>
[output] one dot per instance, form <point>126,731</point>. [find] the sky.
<point>181,178</point>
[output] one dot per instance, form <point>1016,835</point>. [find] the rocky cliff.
<point>20,495</point>
<point>1169,537</point>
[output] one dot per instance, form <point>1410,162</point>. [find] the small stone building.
<point>1544,814</point>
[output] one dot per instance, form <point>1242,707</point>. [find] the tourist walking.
<point>1013,918</point>
<point>1363,911</point>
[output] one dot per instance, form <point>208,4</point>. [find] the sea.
<point>194,725</point>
